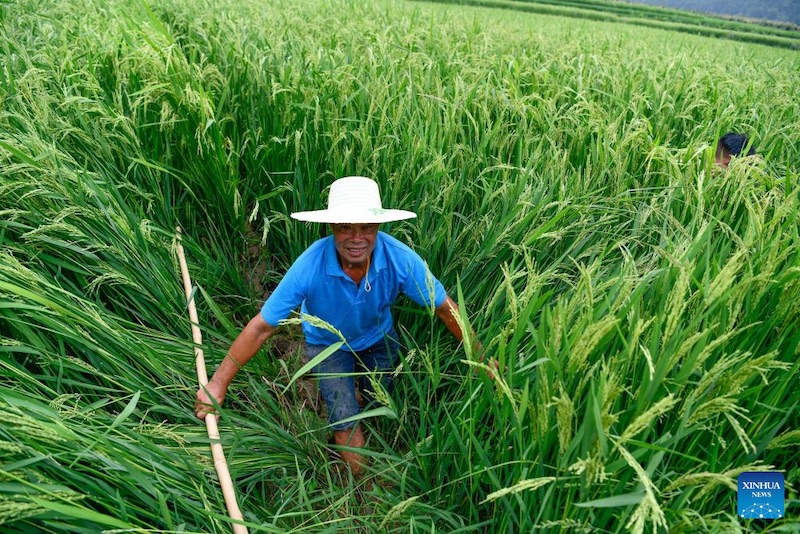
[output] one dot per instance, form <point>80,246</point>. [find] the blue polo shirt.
<point>317,283</point>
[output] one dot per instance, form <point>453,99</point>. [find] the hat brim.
<point>353,216</point>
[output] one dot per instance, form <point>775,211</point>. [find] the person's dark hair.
<point>735,143</point>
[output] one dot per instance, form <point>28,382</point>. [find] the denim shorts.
<point>340,373</point>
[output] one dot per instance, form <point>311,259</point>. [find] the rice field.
<point>641,304</point>
<point>771,33</point>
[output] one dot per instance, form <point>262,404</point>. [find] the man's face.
<point>722,156</point>
<point>723,159</point>
<point>354,242</point>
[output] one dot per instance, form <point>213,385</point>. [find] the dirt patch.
<point>287,342</point>
<point>255,263</point>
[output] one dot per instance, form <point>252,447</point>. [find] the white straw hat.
<point>354,200</point>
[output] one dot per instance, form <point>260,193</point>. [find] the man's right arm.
<point>246,345</point>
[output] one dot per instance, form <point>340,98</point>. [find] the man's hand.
<point>480,356</point>
<point>244,347</point>
<point>492,364</point>
<point>203,404</point>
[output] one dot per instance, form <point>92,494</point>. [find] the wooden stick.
<point>211,420</point>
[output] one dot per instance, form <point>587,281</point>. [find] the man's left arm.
<point>447,312</point>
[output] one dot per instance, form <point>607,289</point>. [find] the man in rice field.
<point>732,144</point>
<point>350,280</point>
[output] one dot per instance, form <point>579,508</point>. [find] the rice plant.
<point>640,304</point>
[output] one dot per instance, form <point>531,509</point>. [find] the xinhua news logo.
<point>761,495</point>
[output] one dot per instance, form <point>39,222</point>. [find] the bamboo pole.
<point>210,419</point>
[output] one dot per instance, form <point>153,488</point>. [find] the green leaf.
<point>313,362</point>
<point>626,499</point>
<point>84,514</point>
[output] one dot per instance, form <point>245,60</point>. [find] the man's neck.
<point>356,271</point>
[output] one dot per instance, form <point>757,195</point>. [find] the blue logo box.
<point>761,495</point>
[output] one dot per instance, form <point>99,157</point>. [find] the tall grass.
<point>642,305</point>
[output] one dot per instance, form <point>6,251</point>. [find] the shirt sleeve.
<point>421,286</point>
<point>286,297</point>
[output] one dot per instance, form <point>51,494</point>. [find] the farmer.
<point>350,280</point>
<point>732,144</point>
